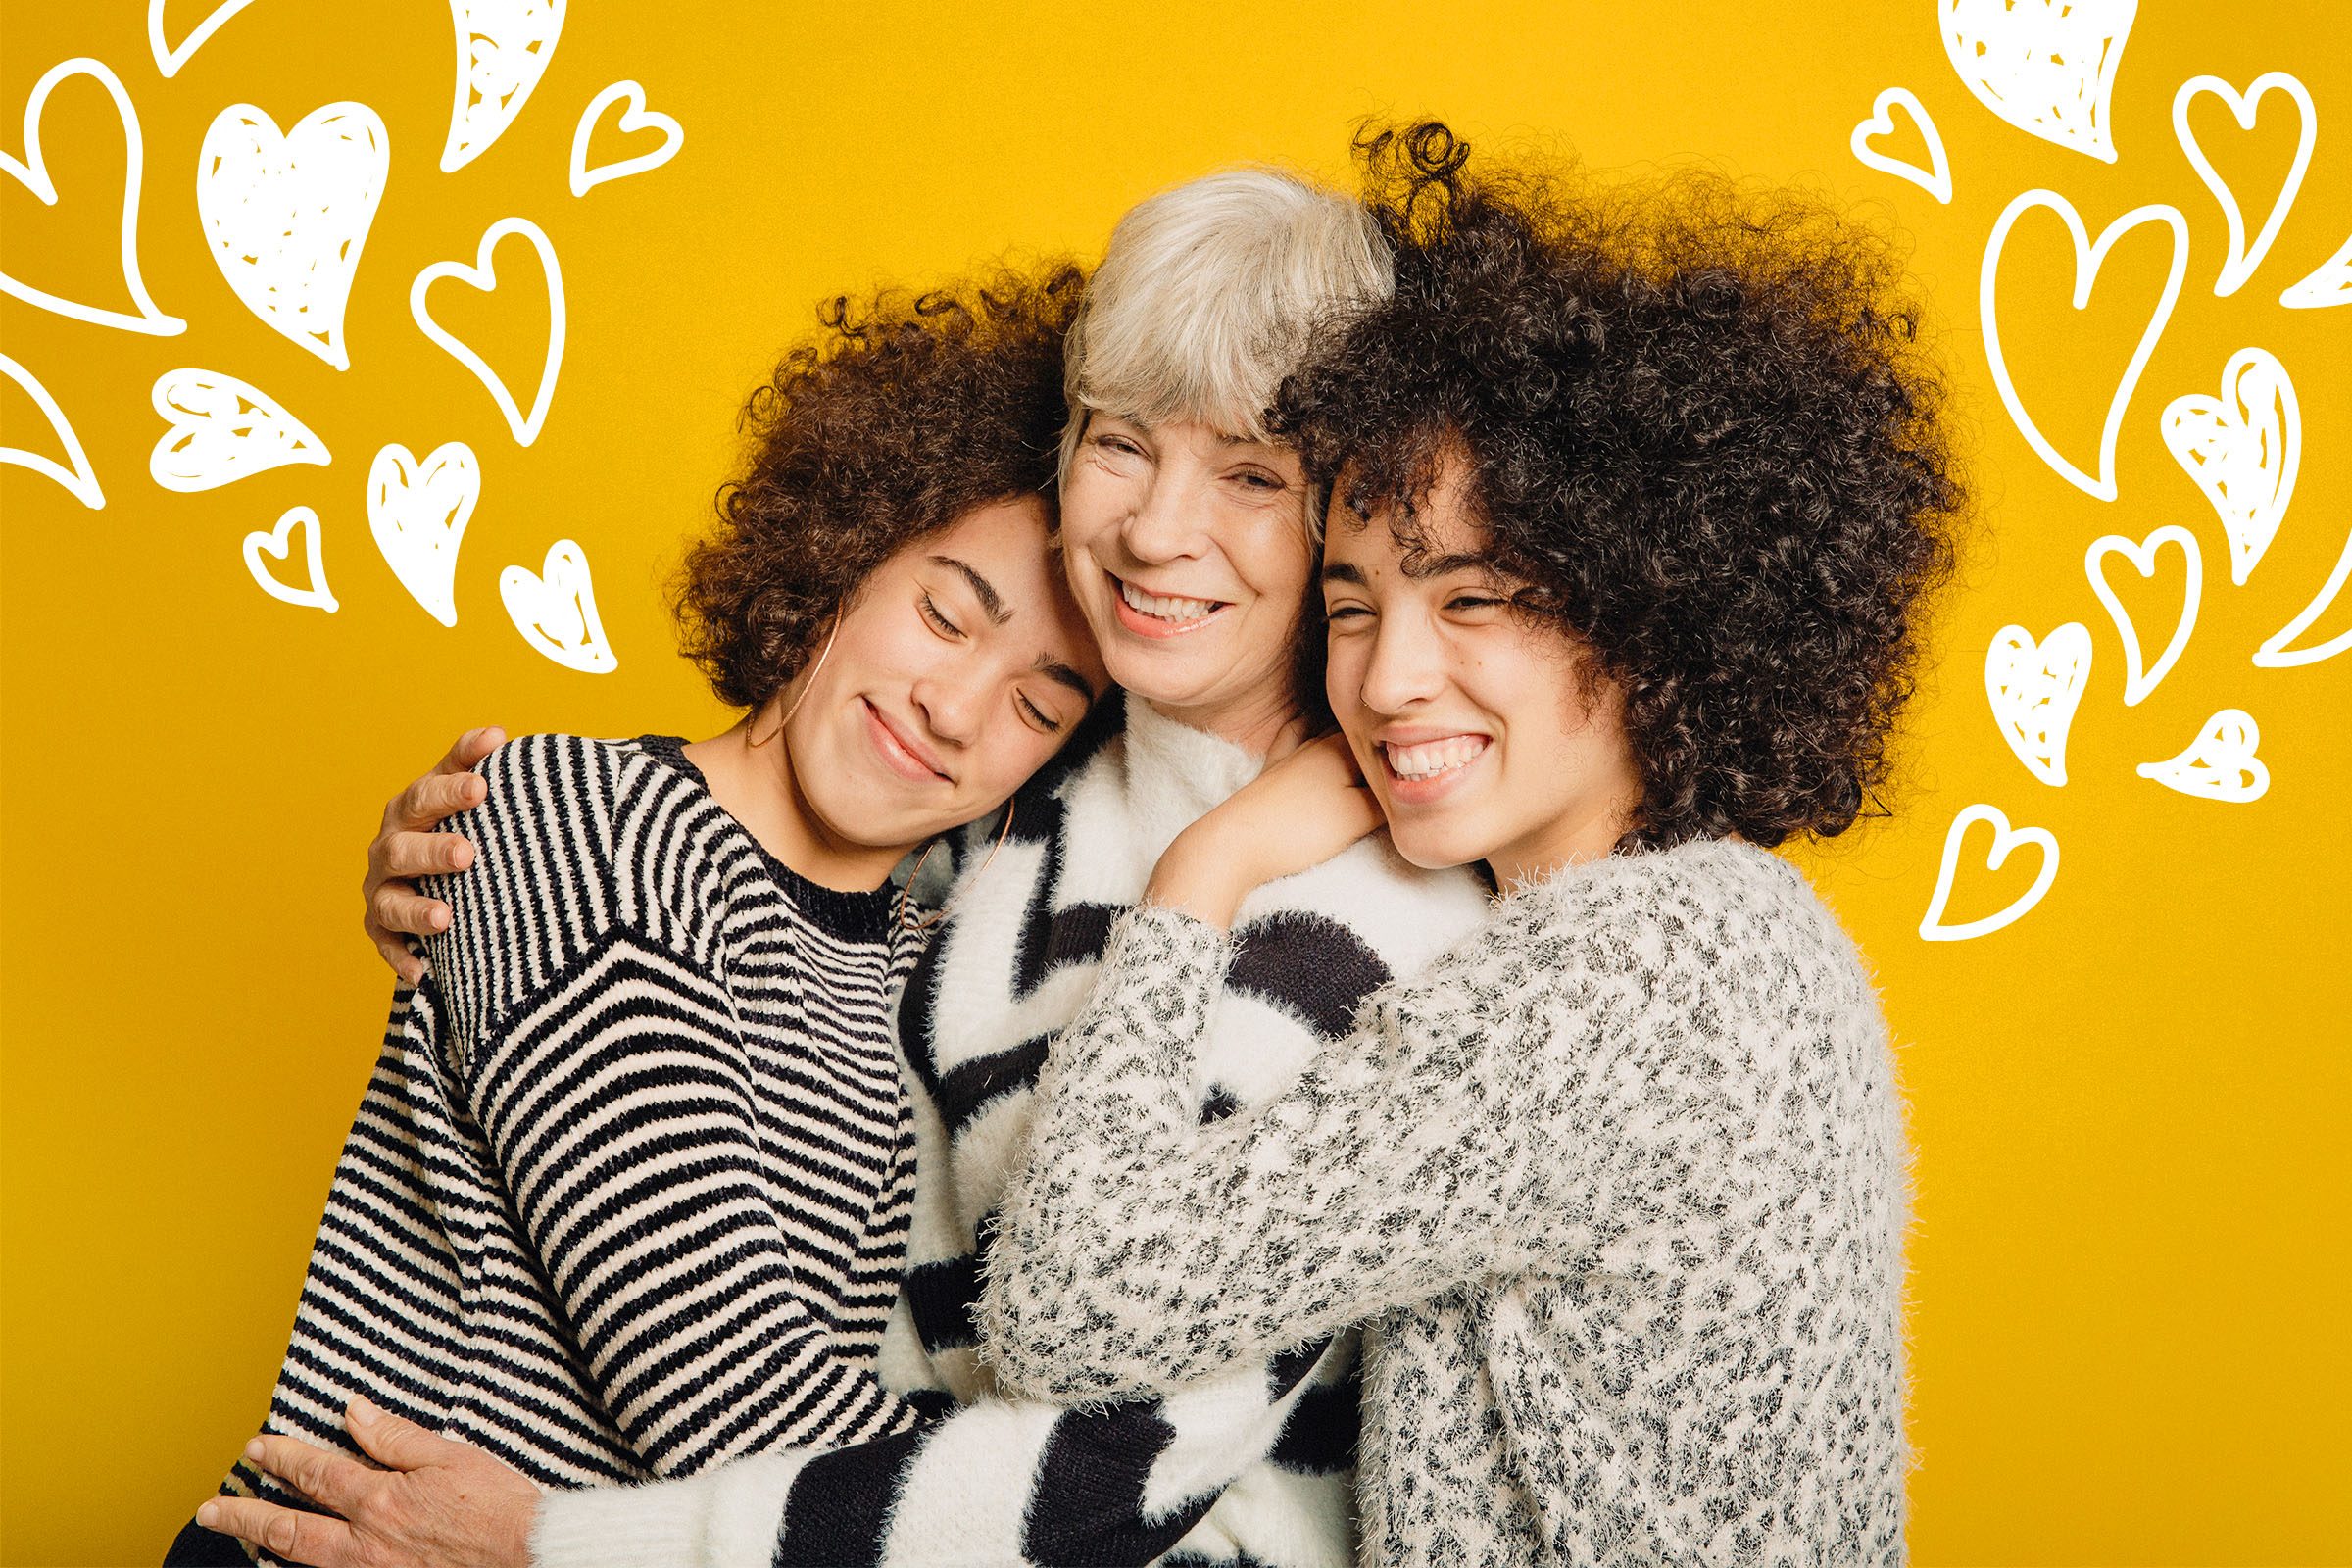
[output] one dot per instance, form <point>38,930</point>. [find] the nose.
<point>950,706</point>
<point>1408,664</point>
<point>1164,524</point>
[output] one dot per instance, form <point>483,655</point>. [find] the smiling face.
<point>1471,721</point>
<point>1188,553</point>
<point>958,670</point>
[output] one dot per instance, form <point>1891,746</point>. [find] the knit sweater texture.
<point>1618,1188</point>
<point>1250,1466</point>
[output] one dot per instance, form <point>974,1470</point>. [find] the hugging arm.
<point>406,847</point>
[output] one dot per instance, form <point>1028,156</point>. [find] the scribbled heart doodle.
<point>633,119</point>
<point>503,50</point>
<point>2005,841</point>
<point>419,512</point>
<point>2033,689</point>
<point>2243,449</point>
<point>2239,264</point>
<point>2329,284</point>
<point>279,541</point>
<point>287,215</point>
<point>483,275</point>
<point>2046,66</point>
<point>168,58</point>
<point>33,175</point>
<point>1937,178</point>
<point>554,610</point>
<point>219,429</point>
<point>2139,679</point>
<point>2220,765</point>
<point>75,473</point>
<point>2088,258</point>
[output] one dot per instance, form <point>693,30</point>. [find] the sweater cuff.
<point>728,1518</point>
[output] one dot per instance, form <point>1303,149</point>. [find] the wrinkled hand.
<point>1301,812</point>
<point>403,848</point>
<point>439,1504</point>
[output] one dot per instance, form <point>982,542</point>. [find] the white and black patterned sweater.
<point>1617,1188</point>
<point>629,1190</point>
<point>1252,1467</point>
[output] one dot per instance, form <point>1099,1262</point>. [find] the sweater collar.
<point>1174,769</point>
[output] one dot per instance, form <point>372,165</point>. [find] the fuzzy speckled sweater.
<point>1618,1188</point>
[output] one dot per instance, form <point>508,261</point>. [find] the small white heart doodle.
<point>635,117</point>
<point>2140,679</point>
<point>2046,66</point>
<point>2087,260</point>
<point>2033,689</point>
<point>503,47</point>
<point>554,610</point>
<point>2004,840</point>
<point>2239,264</point>
<point>2220,765</point>
<point>219,429</point>
<point>286,215</point>
<point>1937,178</point>
<point>75,473</point>
<point>2243,449</point>
<point>419,512</point>
<point>483,275</point>
<point>2329,284</point>
<point>279,541</point>
<point>169,60</point>
<point>33,175</point>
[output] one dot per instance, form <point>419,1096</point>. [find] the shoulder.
<point>1376,896</point>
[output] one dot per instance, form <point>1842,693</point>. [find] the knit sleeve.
<point>1141,1249</point>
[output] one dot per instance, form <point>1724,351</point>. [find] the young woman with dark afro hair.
<point>1637,496</point>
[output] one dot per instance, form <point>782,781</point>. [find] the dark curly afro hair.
<point>906,413</point>
<point>1699,429</point>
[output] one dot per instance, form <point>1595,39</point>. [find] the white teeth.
<point>1177,610</point>
<point>1432,757</point>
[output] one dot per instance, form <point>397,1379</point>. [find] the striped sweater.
<point>1254,1466</point>
<point>628,1192</point>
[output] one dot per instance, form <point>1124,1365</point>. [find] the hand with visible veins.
<point>437,1504</point>
<point>405,848</point>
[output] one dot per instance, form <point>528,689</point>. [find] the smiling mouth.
<point>1165,612</point>
<point>1430,760</point>
<point>903,758</point>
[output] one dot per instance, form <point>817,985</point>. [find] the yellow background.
<point>2130,1267</point>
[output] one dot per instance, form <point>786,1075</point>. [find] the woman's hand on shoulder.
<point>1300,813</point>
<point>405,848</point>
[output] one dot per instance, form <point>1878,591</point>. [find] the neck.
<point>1587,833</point>
<point>756,785</point>
<point>1256,723</point>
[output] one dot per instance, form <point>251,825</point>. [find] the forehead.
<point>1010,536</point>
<point>1442,529</point>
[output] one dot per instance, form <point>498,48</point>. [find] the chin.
<point>1433,851</point>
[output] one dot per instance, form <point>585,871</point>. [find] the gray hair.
<point>1206,295</point>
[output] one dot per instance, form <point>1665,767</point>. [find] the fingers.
<point>408,853</point>
<point>306,1538</point>
<point>334,1479</point>
<point>397,957</point>
<point>397,907</point>
<point>432,798</point>
<point>397,1443</point>
<point>470,748</point>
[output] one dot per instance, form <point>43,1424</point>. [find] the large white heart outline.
<point>2242,261</point>
<point>2087,260</point>
<point>80,480</point>
<point>169,60</point>
<point>2273,654</point>
<point>278,541</point>
<point>2004,840</point>
<point>469,137</point>
<point>2024,677</point>
<point>184,478</point>
<point>2006,90</point>
<point>483,275</point>
<point>1937,178</point>
<point>425,560</point>
<point>33,175</point>
<point>2140,679</point>
<point>2327,284</point>
<point>563,576</point>
<point>2249,535</point>
<point>2230,736</point>
<point>633,119</point>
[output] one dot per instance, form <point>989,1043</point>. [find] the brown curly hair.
<point>906,413</point>
<point>1697,424</point>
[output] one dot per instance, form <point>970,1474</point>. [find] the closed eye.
<point>1038,715</point>
<point>940,624</point>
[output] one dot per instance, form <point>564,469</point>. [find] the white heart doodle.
<point>2239,264</point>
<point>2046,66</point>
<point>33,175</point>
<point>484,276</point>
<point>75,473</point>
<point>220,430</point>
<point>503,50</point>
<point>419,512</point>
<point>2220,765</point>
<point>2004,840</point>
<point>2243,449</point>
<point>169,60</point>
<point>2275,653</point>
<point>287,215</point>
<point>2033,689</point>
<point>279,541</point>
<point>635,117</point>
<point>2139,679</point>
<point>554,610</point>
<point>1937,178</point>
<point>2087,260</point>
<point>2329,284</point>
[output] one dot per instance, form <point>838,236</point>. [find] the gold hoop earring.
<point>755,738</point>
<point>941,914</point>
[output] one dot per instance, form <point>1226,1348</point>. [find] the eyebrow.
<point>992,603</point>
<point>1435,567</point>
<point>1055,669</point>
